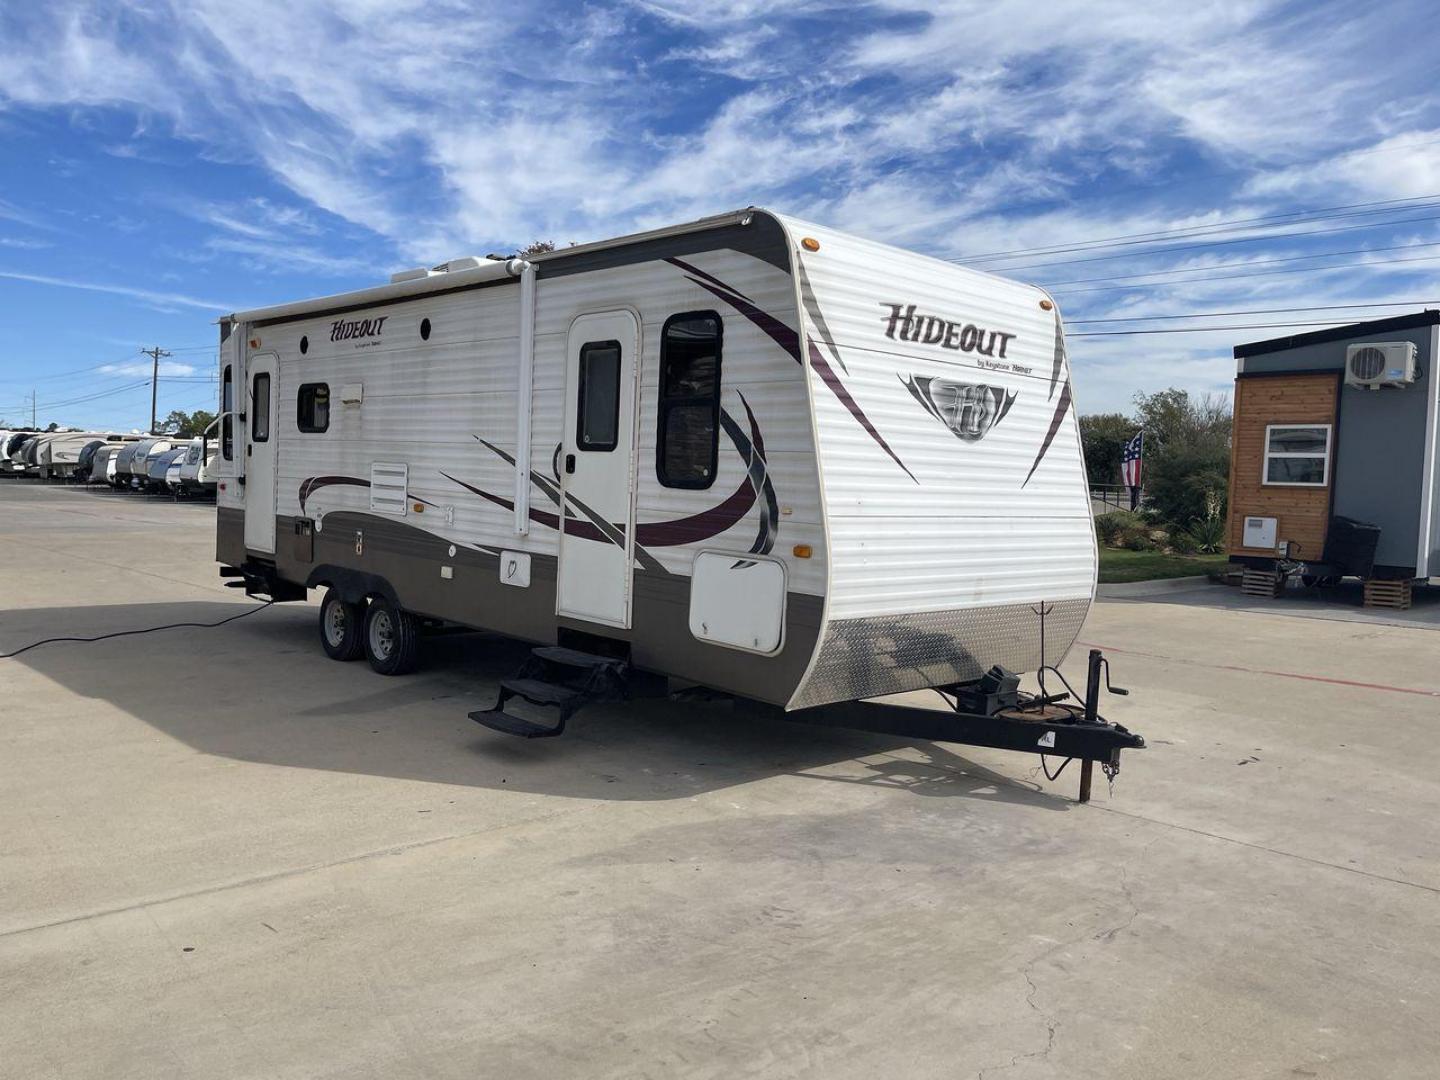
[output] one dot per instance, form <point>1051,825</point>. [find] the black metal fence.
<point>1113,496</point>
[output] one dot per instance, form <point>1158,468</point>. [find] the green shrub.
<point>1181,541</point>
<point>1112,527</point>
<point>1208,535</point>
<point>1140,541</point>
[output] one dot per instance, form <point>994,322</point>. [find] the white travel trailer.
<point>192,476</point>
<point>60,451</point>
<point>748,452</point>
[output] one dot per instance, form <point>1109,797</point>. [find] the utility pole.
<point>155,354</point>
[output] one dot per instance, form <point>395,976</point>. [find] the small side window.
<point>260,408</point>
<point>1297,455</point>
<point>687,446</point>
<point>597,415</point>
<point>227,411</point>
<point>312,407</point>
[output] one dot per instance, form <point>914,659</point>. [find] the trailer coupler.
<point>1004,719</point>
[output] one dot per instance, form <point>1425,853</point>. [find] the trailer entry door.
<point>260,455</point>
<point>597,469</point>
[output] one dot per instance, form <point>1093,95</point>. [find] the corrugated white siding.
<point>429,403</point>
<point>962,528</point>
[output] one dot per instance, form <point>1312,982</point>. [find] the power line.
<point>1202,329</point>
<point>1258,273</point>
<point>1246,265</point>
<point>1161,234</point>
<point>1221,243</point>
<point>1255,311</point>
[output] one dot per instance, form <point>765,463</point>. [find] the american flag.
<point>1130,461</point>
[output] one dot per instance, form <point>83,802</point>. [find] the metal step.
<point>543,693</point>
<point>574,658</point>
<point>510,724</point>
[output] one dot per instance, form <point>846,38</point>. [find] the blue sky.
<point>166,162</point>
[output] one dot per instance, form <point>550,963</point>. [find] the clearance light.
<point>801,551</point>
<point>809,243</point>
<point>1046,305</point>
<point>254,342</point>
<point>419,508</point>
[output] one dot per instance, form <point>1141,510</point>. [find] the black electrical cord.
<point>1045,769</point>
<point>129,633</point>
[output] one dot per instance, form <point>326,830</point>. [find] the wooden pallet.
<point>1267,583</point>
<point>1388,594</point>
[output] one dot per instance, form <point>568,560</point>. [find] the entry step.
<point>543,693</point>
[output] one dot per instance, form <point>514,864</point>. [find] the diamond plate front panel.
<point>890,654</point>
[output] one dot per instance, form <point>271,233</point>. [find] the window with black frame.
<point>312,407</point>
<point>688,440</point>
<point>227,410</point>
<point>597,416</point>
<point>260,408</point>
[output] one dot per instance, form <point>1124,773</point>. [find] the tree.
<point>1104,436</point>
<point>537,247</point>
<point>1187,455</point>
<point>187,425</point>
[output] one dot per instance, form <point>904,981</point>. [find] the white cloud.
<point>164,300</point>
<point>142,369</point>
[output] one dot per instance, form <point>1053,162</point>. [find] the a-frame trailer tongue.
<point>992,711</point>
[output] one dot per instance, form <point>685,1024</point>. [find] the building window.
<point>227,411</point>
<point>260,408</point>
<point>688,441</point>
<point>312,407</point>
<point>1297,455</point>
<point>597,414</point>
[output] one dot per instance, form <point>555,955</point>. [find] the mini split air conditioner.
<point>1380,363</point>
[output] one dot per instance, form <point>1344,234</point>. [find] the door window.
<point>260,408</point>
<point>598,408</point>
<point>227,407</point>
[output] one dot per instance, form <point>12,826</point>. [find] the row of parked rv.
<point>153,464</point>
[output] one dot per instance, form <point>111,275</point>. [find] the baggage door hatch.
<point>597,469</point>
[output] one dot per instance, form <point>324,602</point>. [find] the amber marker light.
<point>1046,305</point>
<point>810,244</point>
<point>801,551</point>
<point>419,508</point>
<point>254,342</point>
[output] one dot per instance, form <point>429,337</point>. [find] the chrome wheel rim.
<point>382,635</point>
<point>335,624</point>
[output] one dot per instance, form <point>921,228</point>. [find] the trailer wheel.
<point>392,638</point>
<point>342,627</point>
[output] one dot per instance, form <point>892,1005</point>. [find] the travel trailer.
<point>12,459</point>
<point>158,478</point>
<point>1334,456</point>
<point>101,462</point>
<point>119,469</point>
<point>144,458</point>
<point>747,453</point>
<point>194,477</point>
<point>58,453</point>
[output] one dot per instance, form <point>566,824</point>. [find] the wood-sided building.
<point>1333,461</point>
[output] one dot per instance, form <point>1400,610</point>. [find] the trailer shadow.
<point>259,690</point>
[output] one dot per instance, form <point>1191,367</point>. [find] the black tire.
<point>392,638</point>
<point>342,627</point>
